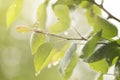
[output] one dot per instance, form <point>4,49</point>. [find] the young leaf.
<point>41,15</point>
<point>62,13</point>
<point>42,56</point>
<point>100,66</point>
<point>36,41</point>
<point>68,62</point>
<point>14,11</point>
<point>90,46</point>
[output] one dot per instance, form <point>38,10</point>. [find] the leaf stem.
<point>50,34</point>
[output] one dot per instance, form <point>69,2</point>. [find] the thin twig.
<point>102,1</point>
<point>50,34</point>
<point>79,33</point>
<point>99,43</point>
<point>109,14</point>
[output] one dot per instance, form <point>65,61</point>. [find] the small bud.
<point>23,28</point>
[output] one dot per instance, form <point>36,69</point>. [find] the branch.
<point>79,33</point>
<point>109,14</point>
<point>50,34</point>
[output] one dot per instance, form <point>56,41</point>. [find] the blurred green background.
<point>16,60</point>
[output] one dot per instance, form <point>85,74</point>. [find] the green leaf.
<point>60,53</point>
<point>117,70</point>
<point>62,13</point>
<point>115,60</point>
<point>86,4</point>
<point>65,2</point>
<point>100,77</point>
<point>68,62</point>
<point>91,12</point>
<point>109,51</point>
<point>14,11</point>
<point>100,66</point>
<point>90,46</point>
<point>42,56</point>
<point>97,55</point>
<point>36,41</point>
<point>58,27</point>
<point>108,29</point>
<point>70,3</point>
<point>42,15</point>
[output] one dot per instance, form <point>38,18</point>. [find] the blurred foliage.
<point>16,60</point>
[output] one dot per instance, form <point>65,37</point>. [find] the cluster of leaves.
<point>101,51</point>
